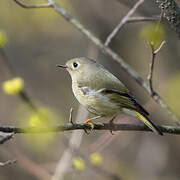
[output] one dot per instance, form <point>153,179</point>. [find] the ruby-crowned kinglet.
<point>101,92</point>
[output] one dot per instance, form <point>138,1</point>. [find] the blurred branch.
<point>97,169</point>
<point>7,162</point>
<point>113,55</point>
<point>171,12</point>
<point>74,143</point>
<point>122,22</point>
<point>5,62</point>
<point>150,76</point>
<point>84,126</point>
<point>31,166</point>
<point>104,172</point>
<point>11,74</point>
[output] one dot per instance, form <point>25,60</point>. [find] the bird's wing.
<point>124,99</point>
<point>101,79</point>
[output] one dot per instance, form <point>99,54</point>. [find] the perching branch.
<point>150,76</point>
<point>171,12</point>
<point>122,22</point>
<point>84,126</point>
<point>112,54</point>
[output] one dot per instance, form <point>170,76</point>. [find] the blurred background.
<point>38,39</point>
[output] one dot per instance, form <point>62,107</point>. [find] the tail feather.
<point>148,122</point>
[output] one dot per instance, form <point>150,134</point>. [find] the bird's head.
<point>79,67</point>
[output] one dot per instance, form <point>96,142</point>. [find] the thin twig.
<point>160,47</point>
<point>8,162</point>
<point>6,138</point>
<point>78,126</point>
<point>122,22</point>
<point>70,116</point>
<point>5,62</point>
<point>142,19</point>
<point>150,76</point>
<point>48,5</point>
<point>113,55</point>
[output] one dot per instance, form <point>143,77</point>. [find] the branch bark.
<point>84,126</point>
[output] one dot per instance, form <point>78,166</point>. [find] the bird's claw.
<point>91,125</point>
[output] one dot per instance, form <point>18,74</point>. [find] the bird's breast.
<point>95,102</point>
<point>78,93</point>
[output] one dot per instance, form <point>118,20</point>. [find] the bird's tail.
<point>149,123</point>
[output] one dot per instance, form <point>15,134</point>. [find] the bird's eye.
<point>75,65</point>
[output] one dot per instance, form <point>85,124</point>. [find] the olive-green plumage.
<point>101,92</point>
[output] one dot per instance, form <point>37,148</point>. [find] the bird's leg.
<point>88,121</point>
<point>111,122</point>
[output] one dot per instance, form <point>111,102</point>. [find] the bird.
<point>103,94</point>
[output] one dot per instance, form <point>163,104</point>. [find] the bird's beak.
<point>62,66</point>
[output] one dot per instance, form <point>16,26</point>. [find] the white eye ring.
<point>75,64</point>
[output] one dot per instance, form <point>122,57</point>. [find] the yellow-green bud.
<point>154,34</point>
<point>3,39</point>
<point>96,159</point>
<point>78,163</point>
<point>13,86</point>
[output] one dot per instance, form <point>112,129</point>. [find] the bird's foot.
<point>88,121</point>
<point>91,125</point>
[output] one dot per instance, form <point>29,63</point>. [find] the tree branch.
<point>113,55</point>
<point>84,126</point>
<point>150,76</point>
<point>171,12</point>
<point>122,22</point>
<point>33,6</point>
